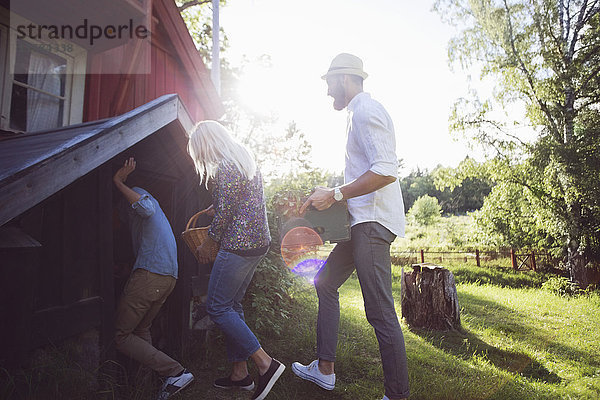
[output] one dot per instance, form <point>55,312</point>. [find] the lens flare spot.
<point>308,268</point>
<point>300,250</point>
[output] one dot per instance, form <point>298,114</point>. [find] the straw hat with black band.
<point>346,64</point>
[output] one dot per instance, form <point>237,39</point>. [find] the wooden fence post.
<point>533,266</point>
<point>477,257</point>
<point>422,256</point>
<point>513,258</point>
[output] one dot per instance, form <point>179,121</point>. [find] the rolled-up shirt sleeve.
<point>144,206</point>
<point>379,142</point>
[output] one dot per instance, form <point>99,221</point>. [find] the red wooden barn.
<point>71,113</point>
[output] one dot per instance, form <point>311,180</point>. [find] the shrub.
<point>561,286</point>
<point>268,301</point>
<point>426,210</point>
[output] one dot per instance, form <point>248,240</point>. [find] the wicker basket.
<point>194,237</point>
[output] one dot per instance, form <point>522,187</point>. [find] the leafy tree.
<point>277,152</point>
<point>302,183</point>
<point>425,211</point>
<point>416,184</point>
<point>457,194</point>
<point>469,196</point>
<point>507,219</point>
<point>463,189</point>
<point>277,149</point>
<point>197,15</point>
<point>544,56</point>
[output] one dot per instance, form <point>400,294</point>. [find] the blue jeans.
<point>367,252</point>
<point>231,274</point>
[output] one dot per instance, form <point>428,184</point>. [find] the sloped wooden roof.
<point>35,166</point>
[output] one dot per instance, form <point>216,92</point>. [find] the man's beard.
<point>339,103</point>
<point>339,98</point>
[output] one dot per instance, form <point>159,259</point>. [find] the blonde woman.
<point>240,230</point>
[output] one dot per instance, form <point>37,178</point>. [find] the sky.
<point>403,45</point>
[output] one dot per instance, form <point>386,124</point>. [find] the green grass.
<point>517,342</point>
<point>448,233</point>
<point>522,343</point>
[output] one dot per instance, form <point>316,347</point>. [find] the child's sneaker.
<point>173,384</point>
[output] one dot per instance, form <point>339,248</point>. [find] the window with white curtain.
<point>42,85</point>
<point>38,89</point>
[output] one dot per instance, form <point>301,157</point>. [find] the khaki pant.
<point>143,296</point>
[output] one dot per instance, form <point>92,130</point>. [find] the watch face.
<point>337,195</point>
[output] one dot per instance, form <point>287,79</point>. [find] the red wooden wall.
<point>175,67</point>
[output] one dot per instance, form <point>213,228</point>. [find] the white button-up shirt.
<point>371,146</point>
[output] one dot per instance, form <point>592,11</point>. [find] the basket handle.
<point>194,217</point>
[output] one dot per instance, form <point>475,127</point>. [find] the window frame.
<point>76,61</point>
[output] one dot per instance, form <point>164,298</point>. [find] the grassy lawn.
<point>448,233</point>
<point>517,342</point>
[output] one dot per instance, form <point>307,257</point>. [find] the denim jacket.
<point>152,236</point>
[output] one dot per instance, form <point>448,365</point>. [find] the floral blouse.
<point>240,221</point>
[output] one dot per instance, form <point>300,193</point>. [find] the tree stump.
<point>429,298</point>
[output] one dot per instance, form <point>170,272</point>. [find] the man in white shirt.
<point>376,210</point>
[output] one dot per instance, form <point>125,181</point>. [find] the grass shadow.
<point>520,327</point>
<point>465,345</point>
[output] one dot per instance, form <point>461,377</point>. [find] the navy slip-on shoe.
<point>266,381</point>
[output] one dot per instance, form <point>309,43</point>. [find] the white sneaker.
<point>311,373</point>
<point>173,384</point>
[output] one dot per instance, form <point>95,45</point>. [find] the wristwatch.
<point>337,194</point>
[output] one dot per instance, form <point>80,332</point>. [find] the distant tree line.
<point>467,195</point>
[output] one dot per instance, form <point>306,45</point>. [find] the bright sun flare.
<point>257,89</point>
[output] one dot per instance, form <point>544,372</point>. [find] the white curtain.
<point>43,111</point>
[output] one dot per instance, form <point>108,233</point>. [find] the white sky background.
<point>404,49</point>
